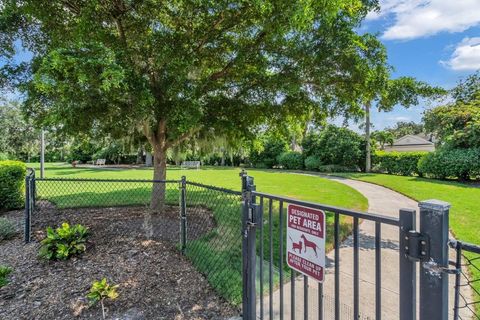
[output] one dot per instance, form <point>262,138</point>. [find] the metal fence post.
<point>249,254</point>
<point>408,301</point>
<point>27,208</point>
<point>183,213</point>
<point>433,279</point>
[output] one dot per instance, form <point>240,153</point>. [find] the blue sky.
<point>437,41</point>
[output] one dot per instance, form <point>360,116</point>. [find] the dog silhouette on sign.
<point>296,245</point>
<point>309,244</point>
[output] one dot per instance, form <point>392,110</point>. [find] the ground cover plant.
<point>101,291</point>
<point>4,272</point>
<point>64,242</point>
<point>7,229</point>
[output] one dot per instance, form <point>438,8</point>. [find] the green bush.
<point>64,242</point>
<point>291,160</point>
<point>3,156</point>
<point>7,229</point>
<point>451,163</point>
<point>4,272</point>
<point>312,163</point>
<point>12,184</point>
<point>401,163</point>
<point>336,146</point>
<point>266,156</point>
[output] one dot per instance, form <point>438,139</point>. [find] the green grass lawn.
<point>216,254</point>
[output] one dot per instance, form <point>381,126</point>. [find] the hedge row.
<point>401,163</point>
<point>12,184</point>
<point>463,164</point>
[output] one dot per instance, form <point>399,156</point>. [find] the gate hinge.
<point>417,246</point>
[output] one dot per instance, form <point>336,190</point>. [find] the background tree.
<point>403,128</point>
<point>383,138</point>
<point>172,69</point>
<point>386,93</point>
<point>18,138</point>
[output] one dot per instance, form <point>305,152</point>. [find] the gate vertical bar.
<point>408,301</point>
<point>356,277</point>
<point>27,209</point>
<point>433,281</point>
<point>249,254</point>
<point>378,271</point>
<point>183,213</point>
<point>458,266</point>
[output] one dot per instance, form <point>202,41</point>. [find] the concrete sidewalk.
<point>382,201</point>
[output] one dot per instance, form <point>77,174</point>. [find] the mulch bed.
<point>129,246</point>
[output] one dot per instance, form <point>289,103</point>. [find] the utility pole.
<point>42,154</point>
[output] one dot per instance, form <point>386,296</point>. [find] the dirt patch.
<point>128,246</point>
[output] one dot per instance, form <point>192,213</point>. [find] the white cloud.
<point>466,56</point>
<point>421,18</point>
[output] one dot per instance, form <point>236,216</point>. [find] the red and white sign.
<point>306,241</point>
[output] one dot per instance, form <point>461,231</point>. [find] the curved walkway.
<point>382,201</point>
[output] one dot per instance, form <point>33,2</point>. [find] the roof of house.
<point>411,140</point>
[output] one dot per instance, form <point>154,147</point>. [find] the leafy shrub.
<point>401,163</point>
<point>100,291</point>
<point>12,184</point>
<point>4,272</point>
<point>3,156</point>
<point>336,168</point>
<point>7,229</point>
<point>266,154</point>
<point>291,160</point>
<point>451,163</point>
<point>64,242</point>
<point>336,146</point>
<point>312,163</point>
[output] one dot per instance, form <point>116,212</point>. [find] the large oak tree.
<point>177,68</point>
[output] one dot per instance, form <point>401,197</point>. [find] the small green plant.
<point>64,242</point>
<point>7,229</point>
<point>4,272</point>
<point>100,291</point>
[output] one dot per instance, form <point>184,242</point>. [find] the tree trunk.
<point>159,173</point>
<point>368,162</point>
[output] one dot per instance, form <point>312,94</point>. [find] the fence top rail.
<point>348,212</point>
<point>464,246</point>
<point>238,193</point>
<point>107,180</point>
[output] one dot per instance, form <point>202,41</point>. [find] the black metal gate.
<point>274,291</point>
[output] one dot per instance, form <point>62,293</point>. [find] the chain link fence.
<point>467,281</point>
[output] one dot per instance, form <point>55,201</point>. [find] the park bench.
<point>190,164</point>
<point>100,162</point>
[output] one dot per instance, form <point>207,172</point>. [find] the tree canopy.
<point>174,69</point>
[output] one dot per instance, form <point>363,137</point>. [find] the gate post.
<point>408,292</point>
<point>249,254</point>
<point>28,204</point>
<point>433,279</point>
<point>183,214</point>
